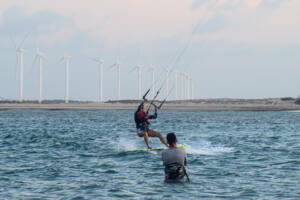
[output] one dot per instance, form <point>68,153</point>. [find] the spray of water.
<point>206,148</point>
<point>126,145</point>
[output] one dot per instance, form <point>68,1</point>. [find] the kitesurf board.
<point>161,148</point>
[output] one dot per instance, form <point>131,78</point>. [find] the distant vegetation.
<point>55,101</point>
<point>134,101</point>
<point>297,101</point>
<point>129,101</point>
<point>123,101</point>
<point>287,99</point>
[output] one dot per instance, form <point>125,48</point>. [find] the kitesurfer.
<point>174,160</point>
<point>141,118</point>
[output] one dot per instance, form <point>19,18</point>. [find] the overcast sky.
<point>230,48</point>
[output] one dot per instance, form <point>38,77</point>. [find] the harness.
<point>175,172</point>
<point>140,120</point>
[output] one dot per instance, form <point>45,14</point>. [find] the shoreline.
<point>271,104</point>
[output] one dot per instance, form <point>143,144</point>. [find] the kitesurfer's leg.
<point>146,138</point>
<point>152,133</point>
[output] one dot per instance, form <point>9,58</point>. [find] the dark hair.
<point>171,138</point>
<point>140,107</point>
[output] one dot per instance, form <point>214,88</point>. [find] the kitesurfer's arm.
<point>154,116</point>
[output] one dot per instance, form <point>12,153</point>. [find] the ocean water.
<point>85,154</point>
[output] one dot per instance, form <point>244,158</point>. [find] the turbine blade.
<point>16,67</point>
<point>34,60</point>
<point>33,63</point>
<point>112,66</point>
<point>26,36</point>
<point>13,41</point>
<point>132,69</point>
<point>61,60</point>
<point>97,60</point>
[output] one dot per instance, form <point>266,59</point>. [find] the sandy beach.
<point>270,104</point>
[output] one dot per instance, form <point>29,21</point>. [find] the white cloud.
<point>261,26</point>
<point>4,5</point>
<point>123,21</point>
<point>58,35</point>
<point>143,21</point>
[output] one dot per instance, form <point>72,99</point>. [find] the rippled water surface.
<point>91,155</point>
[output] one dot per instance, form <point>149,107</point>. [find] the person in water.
<point>142,125</point>
<point>174,160</point>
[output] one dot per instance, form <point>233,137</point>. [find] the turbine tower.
<point>20,51</point>
<point>40,56</point>
<point>117,64</point>
<point>176,86</point>
<point>192,88</point>
<point>187,86</point>
<point>66,58</point>
<point>153,81</point>
<point>139,69</point>
<point>182,86</point>
<point>100,62</point>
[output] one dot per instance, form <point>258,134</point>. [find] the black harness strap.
<point>176,171</point>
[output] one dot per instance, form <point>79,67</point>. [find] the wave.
<point>200,148</point>
<point>206,148</point>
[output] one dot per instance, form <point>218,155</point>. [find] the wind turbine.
<point>20,51</point>
<point>117,64</point>
<point>100,62</point>
<point>40,56</point>
<point>139,69</point>
<point>66,58</point>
